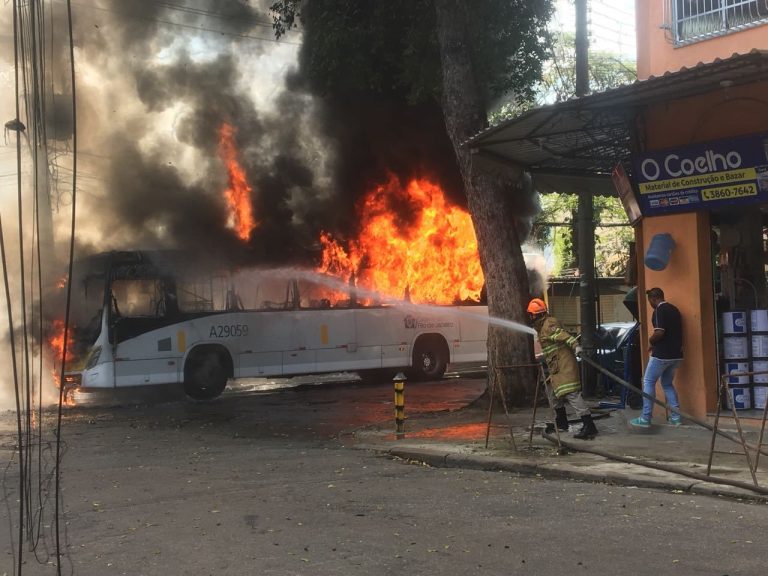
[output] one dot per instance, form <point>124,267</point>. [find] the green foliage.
<point>558,80</point>
<point>391,48</point>
<point>285,15</point>
<point>606,70</point>
<point>558,83</point>
<point>611,242</point>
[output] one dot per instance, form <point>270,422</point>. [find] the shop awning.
<point>572,146</point>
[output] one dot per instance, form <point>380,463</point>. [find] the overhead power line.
<point>188,26</point>
<point>613,7</point>
<point>212,14</point>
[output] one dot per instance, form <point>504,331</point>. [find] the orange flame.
<point>412,242</point>
<point>56,340</point>
<point>238,193</point>
<point>56,344</point>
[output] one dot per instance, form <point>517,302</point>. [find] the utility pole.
<point>582,49</point>
<point>586,223</point>
<point>33,68</point>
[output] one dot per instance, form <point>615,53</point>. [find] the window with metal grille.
<point>694,20</point>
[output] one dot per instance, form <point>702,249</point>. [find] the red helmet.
<point>537,306</point>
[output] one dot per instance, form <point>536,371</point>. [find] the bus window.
<point>195,296</point>
<point>317,295</point>
<point>274,294</point>
<point>137,297</point>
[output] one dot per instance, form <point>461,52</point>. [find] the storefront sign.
<point>704,176</point>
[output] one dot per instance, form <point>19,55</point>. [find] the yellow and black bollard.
<point>399,381</point>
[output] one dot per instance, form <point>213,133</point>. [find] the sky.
<point>611,22</point>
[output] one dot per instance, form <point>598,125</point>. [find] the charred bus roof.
<point>142,264</point>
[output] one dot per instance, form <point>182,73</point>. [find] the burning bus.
<point>150,317</point>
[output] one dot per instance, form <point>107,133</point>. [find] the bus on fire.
<point>144,318</point>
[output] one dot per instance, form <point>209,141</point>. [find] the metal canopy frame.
<point>573,146</point>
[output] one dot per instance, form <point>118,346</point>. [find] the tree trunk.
<point>489,198</point>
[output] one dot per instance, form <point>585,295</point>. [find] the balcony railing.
<point>693,20</point>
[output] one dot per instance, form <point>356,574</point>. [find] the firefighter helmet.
<point>537,306</point>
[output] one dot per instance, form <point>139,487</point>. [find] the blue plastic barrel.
<point>659,250</point>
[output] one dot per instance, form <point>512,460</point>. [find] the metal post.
<point>741,434</point>
<point>506,410</point>
<point>490,410</point>
<point>714,427</point>
<point>586,250</point>
<point>539,381</point>
<point>586,247</point>
<point>399,382</point>
<point>582,49</point>
<point>762,432</point>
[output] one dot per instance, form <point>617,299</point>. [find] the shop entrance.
<point>740,254</point>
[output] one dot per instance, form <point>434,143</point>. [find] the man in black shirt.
<point>666,352</point>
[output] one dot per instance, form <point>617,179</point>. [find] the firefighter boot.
<point>588,430</point>
<point>561,421</point>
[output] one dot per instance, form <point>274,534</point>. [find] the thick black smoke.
<point>376,138</point>
<point>144,65</point>
<point>308,159</point>
<point>160,202</point>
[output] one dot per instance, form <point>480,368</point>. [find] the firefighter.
<point>560,350</point>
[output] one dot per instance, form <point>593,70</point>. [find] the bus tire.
<point>206,372</point>
<point>430,358</point>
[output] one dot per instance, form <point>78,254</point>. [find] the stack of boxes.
<point>745,350</point>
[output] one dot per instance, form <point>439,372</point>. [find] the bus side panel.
<point>299,362</point>
<point>254,340</point>
<point>102,375</point>
<point>157,357</point>
<point>151,358</point>
<point>261,350</point>
<point>473,322</point>
<point>472,345</point>
<point>257,364</point>
<point>299,355</point>
<point>334,336</point>
<point>470,352</point>
<point>377,334</point>
<point>382,336</point>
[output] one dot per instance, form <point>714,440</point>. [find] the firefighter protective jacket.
<point>558,346</point>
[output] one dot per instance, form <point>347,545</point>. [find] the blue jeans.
<point>664,369</point>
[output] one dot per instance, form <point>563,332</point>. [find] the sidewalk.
<point>457,439</point>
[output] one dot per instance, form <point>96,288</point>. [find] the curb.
<point>444,459</point>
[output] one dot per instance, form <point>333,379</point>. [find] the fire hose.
<point>685,415</point>
<point>655,465</point>
<point>658,466</point>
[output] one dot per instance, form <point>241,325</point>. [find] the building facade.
<point>700,174</point>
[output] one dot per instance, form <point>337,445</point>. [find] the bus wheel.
<point>205,375</point>
<point>430,359</point>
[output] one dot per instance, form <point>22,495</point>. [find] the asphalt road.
<point>267,482</point>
